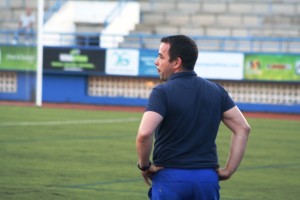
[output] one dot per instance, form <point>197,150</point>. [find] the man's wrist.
<point>143,168</point>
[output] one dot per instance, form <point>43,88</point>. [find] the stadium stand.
<point>211,21</point>
<point>259,26</point>
<point>10,12</point>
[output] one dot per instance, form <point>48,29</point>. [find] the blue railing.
<point>56,6</point>
<point>151,41</point>
<point>115,12</point>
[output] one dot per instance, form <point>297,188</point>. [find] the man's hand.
<point>224,174</point>
<point>148,174</point>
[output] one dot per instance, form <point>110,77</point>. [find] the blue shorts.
<point>185,184</point>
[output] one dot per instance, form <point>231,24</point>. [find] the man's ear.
<point>178,63</point>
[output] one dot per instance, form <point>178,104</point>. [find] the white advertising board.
<point>220,65</point>
<point>122,62</point>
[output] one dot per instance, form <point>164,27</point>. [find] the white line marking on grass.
<point>70,122</point>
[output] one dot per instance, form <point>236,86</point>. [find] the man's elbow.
<point>246,129</point>
<point>142,136</point>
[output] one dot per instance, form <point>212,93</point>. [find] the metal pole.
<point>39,71</point>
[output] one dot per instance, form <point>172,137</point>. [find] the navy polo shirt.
<point>192,109</point>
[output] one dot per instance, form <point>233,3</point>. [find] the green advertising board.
<point>18,58</point>
<point>272,67</point>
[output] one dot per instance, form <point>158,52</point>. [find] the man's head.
<point>28,11</point>
<point>176,53</point>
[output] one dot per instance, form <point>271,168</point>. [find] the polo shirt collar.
<point>182,74</point>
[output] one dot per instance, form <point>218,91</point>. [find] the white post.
<point>39,71</point>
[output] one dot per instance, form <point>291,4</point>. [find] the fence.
<point>151,41</point>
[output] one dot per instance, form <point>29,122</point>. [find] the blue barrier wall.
<point>25,88</point>
<point>73,89</point>
<point>248,107</point>
<point>62,88</point>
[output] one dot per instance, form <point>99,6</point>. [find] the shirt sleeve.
<point>227,101</point>
<point>157,101</point>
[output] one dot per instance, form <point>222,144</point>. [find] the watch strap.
<point>144,168</point>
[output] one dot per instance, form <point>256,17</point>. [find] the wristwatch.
<point>144,168</point>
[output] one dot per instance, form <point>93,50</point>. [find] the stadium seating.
<point>10,12</point>
<point>198,18</point>
<point>230,25</point>
<point>230,18</point>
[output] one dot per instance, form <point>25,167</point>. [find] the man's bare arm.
<point>236,122</point>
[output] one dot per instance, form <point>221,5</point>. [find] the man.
<point>185,113</point>
<point>26,26</point>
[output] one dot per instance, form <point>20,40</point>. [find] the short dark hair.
<point>184,47</point>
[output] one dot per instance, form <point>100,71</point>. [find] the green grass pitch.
<point>48,153</point>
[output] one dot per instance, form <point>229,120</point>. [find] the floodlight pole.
<point>39,71</point>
